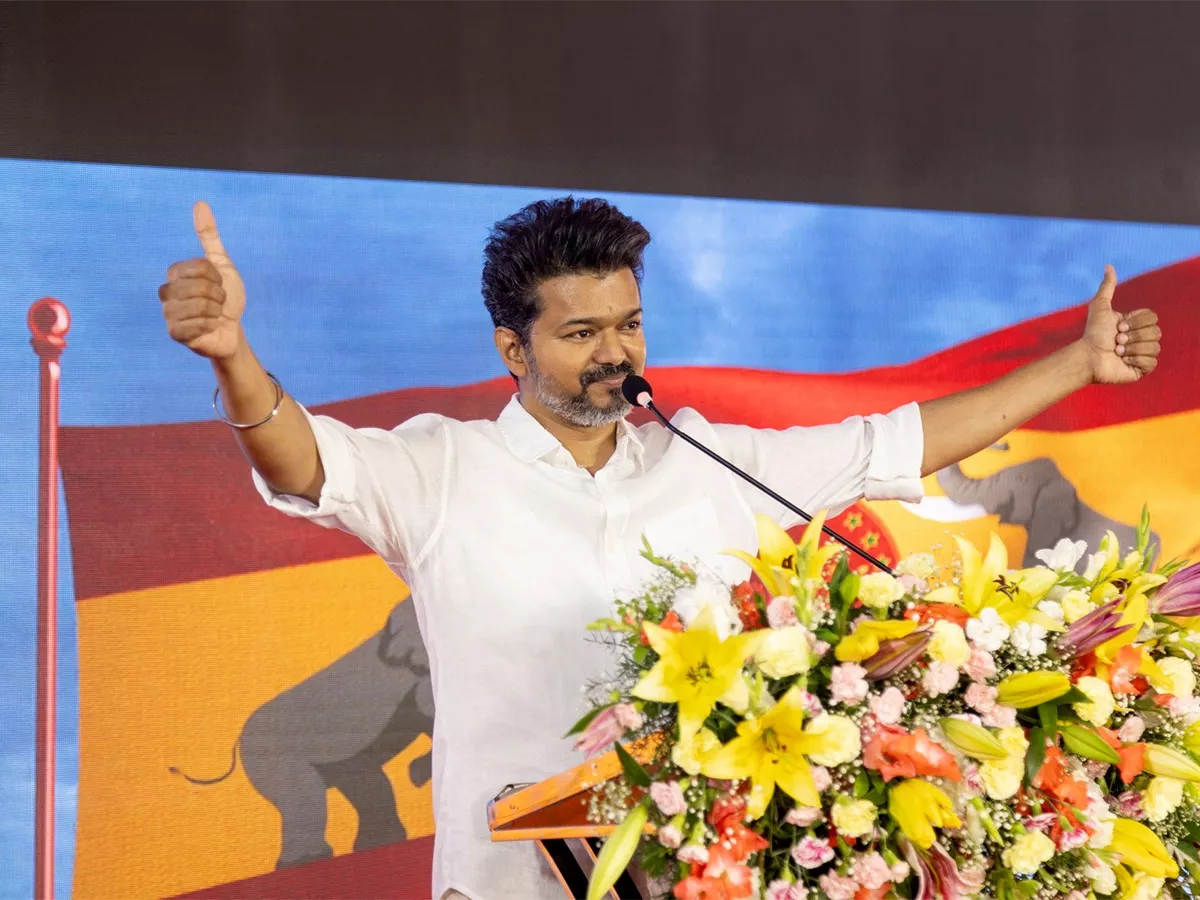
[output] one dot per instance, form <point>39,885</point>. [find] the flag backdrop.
<point>202,616</point>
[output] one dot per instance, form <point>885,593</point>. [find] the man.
<point>514,534</point>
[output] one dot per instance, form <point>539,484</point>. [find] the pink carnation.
<point>838,887</point>
<point>821,778</point>
<point>803,816</point>
<point>628,717</point>
<point>781,890</point>
<point>1129,805</point>
<point>1186,708</point>
<point>847,684</point>
<point>888,707</point>
<point>693,853</point>
<point>812,853</point>
<point>973,781</point>
<point>1000,717</point>
<point>668,797</point>
<point>981,666</point>
<point>871,871</point>
<point>939,678</point>
<point>812,704</point>
<point>1132,730</point>
<point>1073,839</point>
<point>670,836</point>
<point>981,697</point>
<point>781,612</point>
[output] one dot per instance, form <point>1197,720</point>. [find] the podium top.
<point>557,807</point>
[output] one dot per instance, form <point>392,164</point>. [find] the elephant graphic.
<point>337,729</point>
<point>1037,496</point>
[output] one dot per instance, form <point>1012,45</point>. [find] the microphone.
<point>637,391</point>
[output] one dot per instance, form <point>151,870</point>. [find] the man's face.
<point>586,340</point>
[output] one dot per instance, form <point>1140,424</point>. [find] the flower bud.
<point>1028,689</point>
<point>973,740</point>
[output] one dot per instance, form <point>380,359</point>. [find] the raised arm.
<point>1115,348</point>
<point>202,301</point>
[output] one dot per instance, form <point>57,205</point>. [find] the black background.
<point>1056,108</point>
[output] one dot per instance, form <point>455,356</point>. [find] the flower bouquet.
<point>963,731</point>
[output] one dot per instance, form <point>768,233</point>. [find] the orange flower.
<point>1052,778</point>
<point>878,893</point>
<point>699,888</point>
<point>1133,761</point>
<point>724,878</point>
<point>932,612</point>
<point>896,753</point>
<point>1122,674</point>
<point>672,622</point>
<point>1132,755</point>
<point>746,600</point>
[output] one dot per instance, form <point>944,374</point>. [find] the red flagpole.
<point>49,321</point>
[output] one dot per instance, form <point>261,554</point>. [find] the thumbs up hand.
<point>1124,346</point>
<point>204,298</point>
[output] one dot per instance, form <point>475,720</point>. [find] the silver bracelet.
<point>269,416</point>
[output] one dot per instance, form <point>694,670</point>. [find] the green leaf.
<point>633,769</point>
<point>1143,532</point>
<point>587,719</point>
<point>1028,889</point>
<point>1036,755</point>
<point>1048,716</point>
<point>1074,695</point>
<point>862,784</point>
<point>640,654</point>
<point>1087,743</point>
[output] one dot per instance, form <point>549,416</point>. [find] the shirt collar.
<point>528,440</point>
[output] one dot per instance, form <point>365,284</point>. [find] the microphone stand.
<point>649,404</point>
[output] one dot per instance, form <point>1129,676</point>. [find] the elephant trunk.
<point>961,488</point>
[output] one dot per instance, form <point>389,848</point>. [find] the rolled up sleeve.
<point>384,487</point>
<point>897,446</point>
<point>829,467</point>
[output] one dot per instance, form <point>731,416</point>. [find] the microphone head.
<point>637,390</point>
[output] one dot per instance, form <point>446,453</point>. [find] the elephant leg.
<point>370,792</point>
<point>296,788</point>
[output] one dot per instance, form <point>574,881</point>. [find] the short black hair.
<point>551,238</point>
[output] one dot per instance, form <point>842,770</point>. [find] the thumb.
<point>206,230</point>
<point>1104,296</point>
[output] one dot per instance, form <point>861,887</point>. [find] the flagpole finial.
<point>49,320</point>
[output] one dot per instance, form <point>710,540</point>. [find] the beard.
<point>579,409</point>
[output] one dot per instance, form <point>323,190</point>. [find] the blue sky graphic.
<point>358,286</point>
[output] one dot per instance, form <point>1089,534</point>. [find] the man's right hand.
<point>204,298</point>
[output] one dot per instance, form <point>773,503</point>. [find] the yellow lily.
<point>863,642</point>
<point>781,563</point>
<point>770,750</point>
<point>988,582</point>
<point>697,670</point>
<point>918,807</point>
<point>1141,849</point>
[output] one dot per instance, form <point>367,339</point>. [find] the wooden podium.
<point>554,814</point>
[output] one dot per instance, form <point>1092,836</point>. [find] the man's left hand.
<point>1122,347</point>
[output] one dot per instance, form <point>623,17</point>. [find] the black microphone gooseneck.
<point>637,391</point>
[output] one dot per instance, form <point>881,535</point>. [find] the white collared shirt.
<point>511,549</point>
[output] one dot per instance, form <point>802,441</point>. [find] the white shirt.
<point>511,549</point>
